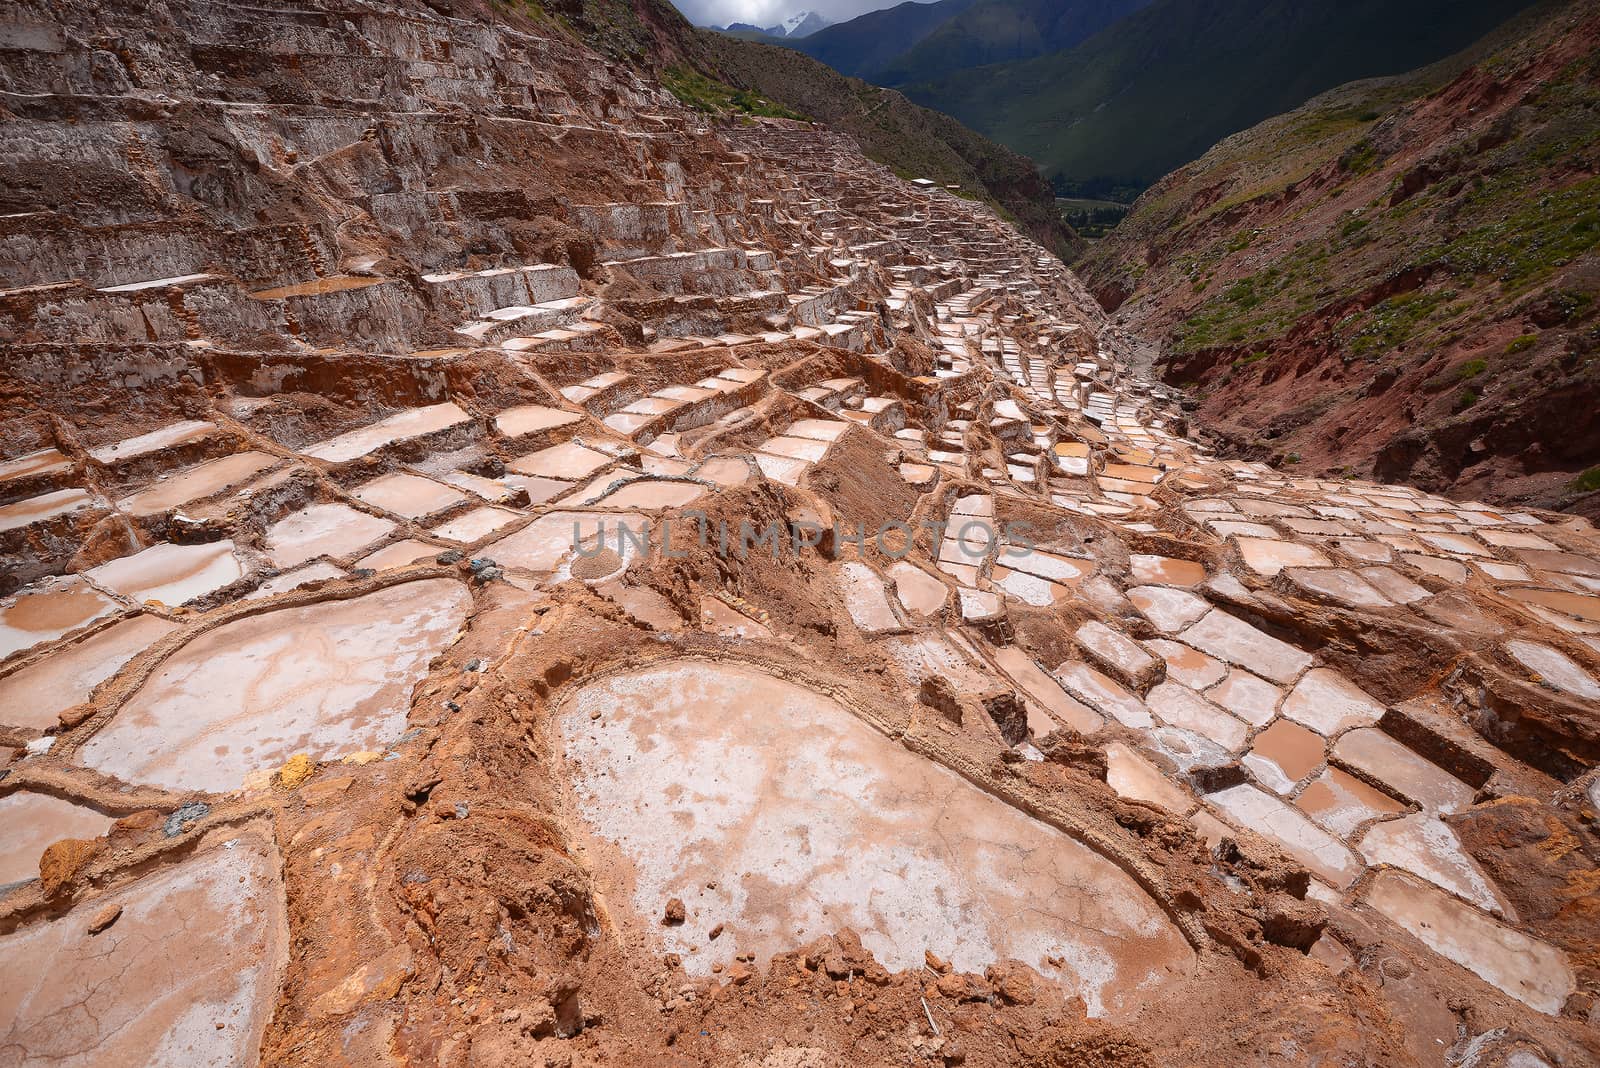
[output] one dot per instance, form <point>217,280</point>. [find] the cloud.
<point>771,12</point>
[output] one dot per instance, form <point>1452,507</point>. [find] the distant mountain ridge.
<point>1155,89</point>
<point>800,25</point>
<point>917,42</point>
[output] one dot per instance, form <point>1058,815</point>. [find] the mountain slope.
<point>865,45</point>
<point>913,140</point>
<point>1400,277</point>
<point>1157,88</point>
<point>719,72</point>
<point>999,31</point>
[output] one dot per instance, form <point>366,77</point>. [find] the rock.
<point>1009,714</point>
<point>326,790</point>
<point>938,695</point>
<point>104,918</point>
<point>1013,981</point>
<point>142,820</point>
<point>715,933</point>
<point>295,771</point>
<point>936,963</point>
<point>61,861</point>
<point>1214,778</point>
<point>962,987</point>
<point>740,974</point>
<point>1288,921</point>
<point>185,817</point>
<point>568,1009</point>
<point>675,914</point>
<point>1069,749</point>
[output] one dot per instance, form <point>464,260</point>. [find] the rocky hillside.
<point>1397,279</point>
<point>721,73</point>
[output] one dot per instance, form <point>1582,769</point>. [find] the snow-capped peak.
<point>803,24</point>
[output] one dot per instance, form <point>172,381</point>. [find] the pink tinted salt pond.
<point>47,612</point>
<point>322,679</point>
<point>35,695</point>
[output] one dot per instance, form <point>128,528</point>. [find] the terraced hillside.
<point>727,76</point>
<point>501,567</point>
<point>1397,279</point>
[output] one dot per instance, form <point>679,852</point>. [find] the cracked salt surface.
<point>185,977</point>
<point>772,810</point>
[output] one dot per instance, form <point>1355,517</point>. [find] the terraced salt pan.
<point>35,695</point>
<point>1300,838</point>
<point>293,580</point>
<point>475,525</point>
<point>1573,604</point>
<point>322,679</point>
<point>1425,846</point>
<point>397,554</point>
<point>45,506</point>
<point>1529,970</point>
<point>866,600</point>
<point>323,530</point>
<point>1283,754</point>
<point>166,437</point>
<point>409,495</point>
<point>185,978</point>
<point>45,461</point>
<point>568,461</point>
<point>171,574</point>
<point>31,822</point>
<point>806,820</point>
<point>1189,666</point>
<point>1166,571</point>
<point>1328,703</point>
<point>1038,685</point>
<point>917,591</point>
<point>653,494</point>
<point>543,544</point>
<point>413,423</point>
<point>1554,667</point>
<point>206,480</point>
<point>47,613</point>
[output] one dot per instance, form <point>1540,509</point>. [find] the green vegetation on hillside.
<point>1157,88</point>
<point>1091,219</point>
<point>710,95</point>
<point>1426,247</point>
<point>1002,31</point>
<point>1516,223</point>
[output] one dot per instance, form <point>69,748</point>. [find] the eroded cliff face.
<point>1399,279</point>
<point>498,569</point>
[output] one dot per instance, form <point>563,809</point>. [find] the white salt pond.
<point>323,679</point>
<point>771,810</point>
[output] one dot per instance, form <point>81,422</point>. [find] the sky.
<point>771,12</point>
